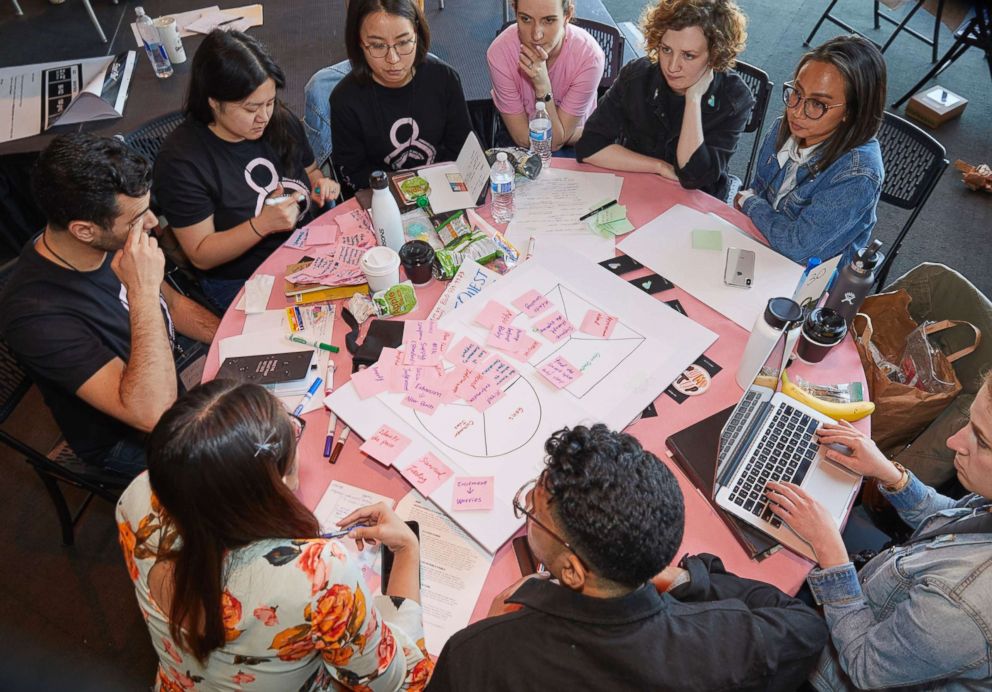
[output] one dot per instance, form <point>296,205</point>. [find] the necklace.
<point>60,258</point>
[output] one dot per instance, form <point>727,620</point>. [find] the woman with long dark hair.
<point>238,173</point>
<point>399,107</point>
<point>235,583</point>
<point>819,172</point>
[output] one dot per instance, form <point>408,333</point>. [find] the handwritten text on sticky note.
<point>385,445</point>
<point>554,327</point>
<point>427,473</point>
<point>532,303</point>
<point>598,324</point>
<point>473,492</point>
<point>559,372</point>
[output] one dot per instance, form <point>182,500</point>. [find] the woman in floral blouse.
<point>237,587</point>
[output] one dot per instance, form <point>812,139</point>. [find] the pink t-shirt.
<point>575,74</point>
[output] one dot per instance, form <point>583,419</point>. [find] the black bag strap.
<point>980,523</point>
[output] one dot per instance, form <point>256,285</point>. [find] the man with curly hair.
<point>605,517</point>
<point>679,111</point>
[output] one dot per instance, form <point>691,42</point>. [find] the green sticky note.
<point>703,239</point>
<point>610,214</point>
<point>618,227</point>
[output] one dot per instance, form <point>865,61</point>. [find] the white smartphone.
<point>739,270</point>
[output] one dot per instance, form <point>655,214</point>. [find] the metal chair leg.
<point>61,508</point>
<point>819,23</point>
<point>900,25</point>
<point>96,22</point>
<point>17,8</point>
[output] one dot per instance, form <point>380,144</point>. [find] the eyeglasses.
<point>298,425</point>
<point>381,50</point>
<point>812,108</point>
<point>520,511</point>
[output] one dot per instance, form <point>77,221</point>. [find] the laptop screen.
<point>748,411</point>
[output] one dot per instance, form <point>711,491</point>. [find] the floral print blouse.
<point>297,615</point>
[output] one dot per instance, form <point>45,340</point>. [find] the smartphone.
<point>387,556</point>
<point>739,270</point>
<point>525,558</point>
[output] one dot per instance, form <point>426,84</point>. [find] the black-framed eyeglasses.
<point>381,50</point>
<point>521,510</point>
<point>813,109</point>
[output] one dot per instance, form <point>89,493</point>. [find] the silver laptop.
<point>771,437</point>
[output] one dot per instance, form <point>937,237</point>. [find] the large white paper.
<point>650,346</point>
<point>665,245</point>
<point>549,209</point>
<point>453,569</point>
<point>340,500</point>
<point>470,280</point>
<point>458,185</point>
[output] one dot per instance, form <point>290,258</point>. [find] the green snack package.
<point>395,300</point>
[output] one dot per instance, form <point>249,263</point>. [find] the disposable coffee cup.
<point>417,258</point>
<point>168,34</point>
<point>381,267</point>
<point>822,329</point>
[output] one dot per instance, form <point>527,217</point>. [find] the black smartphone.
<point>525,558</point>
<point>387,556</point>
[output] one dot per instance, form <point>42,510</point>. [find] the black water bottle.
<point>854,282</point>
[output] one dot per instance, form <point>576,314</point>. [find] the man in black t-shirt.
<point>85,309</point>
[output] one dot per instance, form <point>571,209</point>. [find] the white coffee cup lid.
<point>380,259</point>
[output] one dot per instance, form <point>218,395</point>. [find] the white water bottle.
<point>501,186</point>
<point>385,213</point>
<point>540,135</point>
<point>767,330</point>
<point>153,44</point>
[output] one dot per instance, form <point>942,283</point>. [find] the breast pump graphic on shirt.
<point>421,151</point>
<point>289,185</point>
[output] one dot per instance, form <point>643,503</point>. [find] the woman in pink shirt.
<point>545,58</point>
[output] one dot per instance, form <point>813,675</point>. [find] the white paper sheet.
<point>470,171</point>
<point>665,245</point>
<point>470,280</point>
<point>252,17</point>
<point>549,209</point>
<point>257,291</point>
<point>453,570</point>
<point>340,500</point>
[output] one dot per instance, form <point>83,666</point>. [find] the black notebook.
<point>272,368</point>
<point>695,450</point>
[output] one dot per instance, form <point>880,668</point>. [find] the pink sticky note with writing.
<point>505,338</point>
<point>427,473</point>
<point>498,370</point>
<point>532,303</point>
<point>424,330</point>
<point>466,352</point>
<point>424,397</point>
<point>598,324</point>
<point>450,382</point>
<point>559,372</point>
<point>554,327</point>
<point>472,492</point>
<point>407,376</point>
<point>370,381</point>
<point>385,445</point>
<point>423,353</point>
<point>479,391</point>
<point>493,314</point>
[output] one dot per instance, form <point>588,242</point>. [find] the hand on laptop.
<point>810,520</point>
<point>864,458</point>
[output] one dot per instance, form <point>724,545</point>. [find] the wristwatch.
<point>545,98</point>
<point>901,483</point>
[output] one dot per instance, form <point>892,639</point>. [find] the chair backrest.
<point>148,138</point>
<point>761,88</point>
<point>14,381</point>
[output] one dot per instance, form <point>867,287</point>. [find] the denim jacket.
<point>917,616</point>
<point>825,214</point>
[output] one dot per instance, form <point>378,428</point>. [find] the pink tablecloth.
<point>645,196</point>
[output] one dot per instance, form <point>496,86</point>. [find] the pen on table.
<point>308,396</point>
<point>329,380</point>
<point>329,440</point>
<point>344,532</point>
<point>339,445</point>
<point>296,339</point>
<point>597,210</point>
<point>530,247</point>
<point>230,21</point>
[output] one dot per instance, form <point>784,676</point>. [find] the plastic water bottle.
<point>153,44</point>
<point>501,186</point>
<point>385,212</point>
<point>540,135</point>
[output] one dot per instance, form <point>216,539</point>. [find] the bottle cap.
<point>501,156</point>
<point>867,258</point>
<point>781,311</point>
<point>378,180</point>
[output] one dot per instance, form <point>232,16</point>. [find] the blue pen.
<point>343,532</point>
<point>308,396</point>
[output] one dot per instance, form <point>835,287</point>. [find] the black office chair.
<point>879,15</point>
<point>761,88</point>
<point>914,162</point>
<point>59,464</point>
<point>612,42</point>
<point>148,138</point>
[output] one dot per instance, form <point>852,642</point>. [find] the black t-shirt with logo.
<point>379,128</point>
<point>64,326</point>
<point>197,174</point>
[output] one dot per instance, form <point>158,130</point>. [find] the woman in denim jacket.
<point>918,615</point>
<point>819,171</point>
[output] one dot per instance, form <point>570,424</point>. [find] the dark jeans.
<point>220,292</point>
<point>127,458</point>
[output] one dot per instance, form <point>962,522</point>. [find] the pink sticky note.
<point>424,397</point>
<point>370,381</point>
<point>479,391</point>
<point>427,473</point>
<point>424,330</point>
<point>498,370</point>
<point>324,234</point>
<point>532,303</point>
<point>493,314</point>
<point>466,352</point>
<point>423,353</point>
<point>598,324</point>
<point>559,372</point>
<point>452,379</point>
<point>505,338</point>
<point>408,376</point>
<point>554,327</point>
<point>473,492</point>
<point>385,445</point>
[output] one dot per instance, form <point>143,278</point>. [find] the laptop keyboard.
<point>742,414</point>
<point>784,453</point>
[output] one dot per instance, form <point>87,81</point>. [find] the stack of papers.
<point>339,264</point>
<point>610,222</point>
<point>205,19</point>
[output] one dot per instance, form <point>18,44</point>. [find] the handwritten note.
<point>532,303</point>
<point>424,397</point>
<point>423,352</point>
<point>385,445</point>
<point>424,330</point>
<point>598,324</point>
<point>554,327</point>
<point>498,370</point>
<point>479,390</point>
<point>427,473</point>
<point>297,239</point>
<point>473,492</point>
<point>466,352</point>
<point>495,314</point>
<point>506,338</point>
<point>370,381</point>
<point>408,376</point>
<point>559,372</point>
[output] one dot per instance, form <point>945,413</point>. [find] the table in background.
<point>645,197</point>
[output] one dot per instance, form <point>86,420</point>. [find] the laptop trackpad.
<point>832,486</point>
